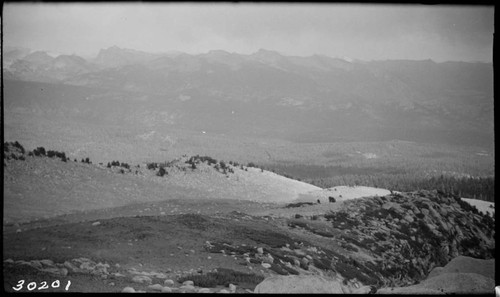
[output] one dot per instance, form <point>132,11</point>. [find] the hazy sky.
<point>361,31</point>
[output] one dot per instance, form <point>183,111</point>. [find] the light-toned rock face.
<point>448,283</point>
<point>299,284</point>
<point>461,283</point>
<point>465,264</point>
<point>462,275</point>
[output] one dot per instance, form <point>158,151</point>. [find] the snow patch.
<point>483,206</point>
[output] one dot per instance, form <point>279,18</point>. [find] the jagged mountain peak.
<point>267,54</point>
<point>39,57</point>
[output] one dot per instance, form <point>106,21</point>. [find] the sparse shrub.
<point>19,146</point>
<point>161,172</point>
<point>39,151</point>
<point>152,166</point>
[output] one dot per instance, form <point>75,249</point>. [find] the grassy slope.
<point>42,187</point>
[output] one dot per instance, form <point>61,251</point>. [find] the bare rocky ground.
<point>166,242</point>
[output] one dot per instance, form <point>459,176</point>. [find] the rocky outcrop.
<point>395,240</point>
<point>409,234</point>
<point>77,265</point>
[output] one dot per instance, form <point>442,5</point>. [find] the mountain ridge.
<point>286,96</point>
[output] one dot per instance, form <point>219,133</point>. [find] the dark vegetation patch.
<point>220,166</point>
<point>290,270</point>
<point>350,271</point>
<point>224,277</point>
<point>269,237</point>
<point>276,254</point>
<point>341,220</point>
<point>298,204</point>
<point>118,164</point>
<point>314,228</point>
<point>18,152</point>
<point>278,269</point>
<point>194,221</point>
<point>322,263</point>
<point>382,214</point>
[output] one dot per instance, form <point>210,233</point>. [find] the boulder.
<point>169,282</point>
<point>155,287</point>
<point>142,279</point>
<point>299,284</point>
<point>188,283</point>
<point>204,290</point>
<point>408,218</point>
<point>187,288</point>
<point>47,262</point>
<point>128,290</point>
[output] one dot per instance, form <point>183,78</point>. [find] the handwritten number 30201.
<point>43,285</point>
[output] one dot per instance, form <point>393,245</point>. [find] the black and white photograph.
<point>248,147</point>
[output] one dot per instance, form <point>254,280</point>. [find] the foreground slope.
<point>108,229</point>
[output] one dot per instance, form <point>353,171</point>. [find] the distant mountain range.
<point>265,94</point>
